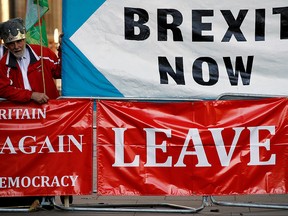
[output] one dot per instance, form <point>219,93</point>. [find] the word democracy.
<point>38,181</point>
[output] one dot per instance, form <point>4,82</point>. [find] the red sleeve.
<point>10,92</point>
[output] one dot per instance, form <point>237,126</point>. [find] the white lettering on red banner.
<point>189,148</point>
<point>38,181</point>
<point>46,149</point>
<point>22,114</point>
<point>42,146</point>
<point>194,136</point>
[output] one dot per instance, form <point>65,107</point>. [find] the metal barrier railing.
<point>144,208</point>
<point>152,207</point>
<point>235,96</point>
<point>248,205</point>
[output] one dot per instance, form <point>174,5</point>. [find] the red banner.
<point>46,149</point>
<point>192,148</point>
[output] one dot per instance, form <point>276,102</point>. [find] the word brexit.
<point>164,24</point>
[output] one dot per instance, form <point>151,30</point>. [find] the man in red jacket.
<point>27,72</point>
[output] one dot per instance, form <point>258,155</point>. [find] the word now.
<point>197,71</point>
<point>194,136</point>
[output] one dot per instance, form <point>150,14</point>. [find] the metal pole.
<point>249,205</point>
<point>147,208</point>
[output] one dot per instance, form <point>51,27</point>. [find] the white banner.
<point>176,49</point>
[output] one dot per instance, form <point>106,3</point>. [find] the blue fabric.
<point>80,78</point>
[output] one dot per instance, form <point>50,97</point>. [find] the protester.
<point>21,80</point>
<point>27,72</point>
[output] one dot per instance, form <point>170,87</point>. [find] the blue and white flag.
<point>174,49</point>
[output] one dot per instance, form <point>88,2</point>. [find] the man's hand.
<point>40,98</point>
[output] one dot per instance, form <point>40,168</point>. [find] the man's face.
<point>17,48</point>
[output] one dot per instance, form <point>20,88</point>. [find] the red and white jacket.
<point>11,81</point>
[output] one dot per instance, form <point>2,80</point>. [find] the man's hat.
<point>12,30</point>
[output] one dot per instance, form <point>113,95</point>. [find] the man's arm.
<point>12,93</point>
<point>39,97</point>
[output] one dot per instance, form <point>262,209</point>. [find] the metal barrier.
<point>144,208</point>
<point>152,207</point>
<point>233,96</point>
<point>249,205</point>
<point>236,96</point>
